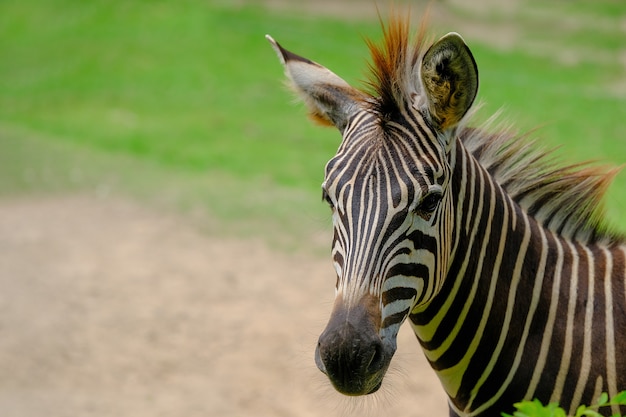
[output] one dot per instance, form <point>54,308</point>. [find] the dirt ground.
<point>110,308</point>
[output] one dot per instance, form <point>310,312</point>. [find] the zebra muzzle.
<point>351,352</point>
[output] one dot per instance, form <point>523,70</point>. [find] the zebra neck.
<point>472,301</point>
<point>494,305</point>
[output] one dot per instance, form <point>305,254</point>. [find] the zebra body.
<point>496,258</point>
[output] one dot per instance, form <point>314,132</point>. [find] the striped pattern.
<point>512,285</point>
<point>503,307</point>
<point>496,256</point>
<point>372,187</point>
<point>523,312</point>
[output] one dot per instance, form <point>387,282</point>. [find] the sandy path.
<point>109,308</point>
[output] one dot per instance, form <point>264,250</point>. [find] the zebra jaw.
<point>351,352</point>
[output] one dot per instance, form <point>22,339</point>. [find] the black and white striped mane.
<point>567,199</point>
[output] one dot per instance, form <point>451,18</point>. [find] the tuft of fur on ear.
<point>330,100</point>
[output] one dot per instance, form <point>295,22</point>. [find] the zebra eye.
<point>430,202</point>
<point>327,199</point>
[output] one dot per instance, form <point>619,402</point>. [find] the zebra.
<point>496,256</point>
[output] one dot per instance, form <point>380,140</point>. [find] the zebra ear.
<point>450,79</point>
<point>329,99</point>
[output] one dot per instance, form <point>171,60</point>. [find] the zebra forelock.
<point>395,65</point>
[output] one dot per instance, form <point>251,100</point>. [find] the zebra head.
<point>388,188</point>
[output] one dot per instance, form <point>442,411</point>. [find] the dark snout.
<point>350,350</point>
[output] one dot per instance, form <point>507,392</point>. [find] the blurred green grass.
<point>186,99</point>
<point>182,83</point>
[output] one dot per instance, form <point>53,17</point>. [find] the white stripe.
<point>547,334</point>
<point>569,328</point>
<point>583,376</point>
<point>395,307</point>
<point>611,373</point>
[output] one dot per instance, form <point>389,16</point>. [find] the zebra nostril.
<point>377,357</point>
<point>350,350</point>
